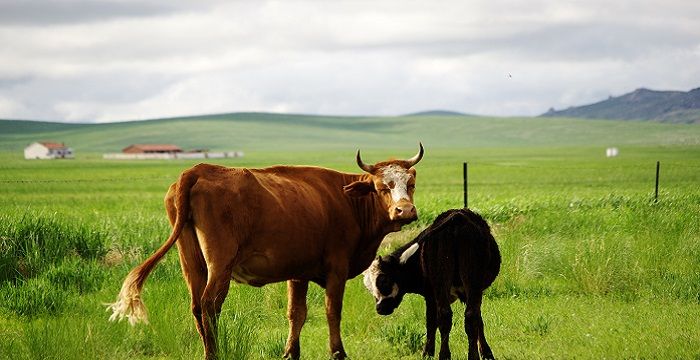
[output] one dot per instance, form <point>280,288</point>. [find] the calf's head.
<point>394,182</point>
<point>384,280</point>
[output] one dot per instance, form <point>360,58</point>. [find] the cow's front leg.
<point>335,288</point>
<point>296,313</point>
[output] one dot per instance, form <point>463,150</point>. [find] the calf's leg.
<point>474,327</point>
<point>296,313</point>
<point>430,326</point>
<point>445,324</point>
<point>471,318</point>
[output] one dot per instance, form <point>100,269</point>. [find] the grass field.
<point>592,268</point>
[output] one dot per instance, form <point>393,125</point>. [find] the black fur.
<point>457,251</point>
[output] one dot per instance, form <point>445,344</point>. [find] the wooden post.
<point>464,177</point>
<point>656,188</point>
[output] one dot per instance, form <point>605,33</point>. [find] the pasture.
<point>592,267</point>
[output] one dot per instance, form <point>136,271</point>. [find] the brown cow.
<point>455,257</point>
<point>260,226</point>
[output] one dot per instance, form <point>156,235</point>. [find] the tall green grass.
<point>592,266</point>
<point>44,260</point>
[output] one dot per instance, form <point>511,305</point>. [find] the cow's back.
<point>281,220</point>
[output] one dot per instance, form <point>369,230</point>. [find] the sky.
<point>105,61</point>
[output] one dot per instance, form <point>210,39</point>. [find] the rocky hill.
<point>641,104</point>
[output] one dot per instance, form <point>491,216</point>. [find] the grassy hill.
<point>280,132</point>
<point>641,104</point>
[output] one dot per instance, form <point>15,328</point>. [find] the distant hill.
<point>641,104</point>
<point>261,132</point>
<point>437,113</point>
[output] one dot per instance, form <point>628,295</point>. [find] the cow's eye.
<point>385,191</point>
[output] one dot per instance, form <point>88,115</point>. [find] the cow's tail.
<point>129,304</point>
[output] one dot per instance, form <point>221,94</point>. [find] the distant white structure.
<point>611,152</point>
<point>47,150</point>
<point>173,156</point>
<point>167,152</point>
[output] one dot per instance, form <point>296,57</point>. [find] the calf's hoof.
<point>445,355</point>
<point>339,355</point>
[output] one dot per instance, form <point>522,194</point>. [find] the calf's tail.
<point>129,304</point>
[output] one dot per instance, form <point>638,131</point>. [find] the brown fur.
<point>259,226</point>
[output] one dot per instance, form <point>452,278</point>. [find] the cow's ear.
<point>359,188</point>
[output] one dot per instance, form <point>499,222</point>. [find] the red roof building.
<point>151,149</point>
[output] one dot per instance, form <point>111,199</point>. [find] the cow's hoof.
<point>291,354</point>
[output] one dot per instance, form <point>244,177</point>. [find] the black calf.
<point>455,257</point>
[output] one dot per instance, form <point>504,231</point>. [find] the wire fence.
<point>480,166</point>
<point>123,179</point>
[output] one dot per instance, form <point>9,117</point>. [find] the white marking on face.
<point>370,281</point>
<point>399,176</point>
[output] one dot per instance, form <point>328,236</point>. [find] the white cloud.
<point>110,61</point>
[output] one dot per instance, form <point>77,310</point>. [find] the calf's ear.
<point>359,188</point>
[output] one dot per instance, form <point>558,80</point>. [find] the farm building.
<point>47,150</point>
<point>151,149</point>
<point>166,152</point>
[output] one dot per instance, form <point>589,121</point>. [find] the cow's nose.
<point>405,211</point>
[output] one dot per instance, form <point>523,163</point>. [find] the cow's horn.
<point>414,160</point>
<point>362,165</point>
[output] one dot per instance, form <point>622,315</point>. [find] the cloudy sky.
<point>99,61</point>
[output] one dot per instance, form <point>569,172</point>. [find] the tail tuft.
<point>129,304</point>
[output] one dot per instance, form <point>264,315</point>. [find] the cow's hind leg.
<point>296,313</point>
<point>194,270</point>
<point>212,300</point>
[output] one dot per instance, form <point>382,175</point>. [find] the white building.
<point>48,150</point>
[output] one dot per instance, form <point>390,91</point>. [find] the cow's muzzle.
<point>386,306</point>
<point>404,213</point>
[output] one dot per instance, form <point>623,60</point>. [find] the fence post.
<point>464,178</point>
<point>656,188</point>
